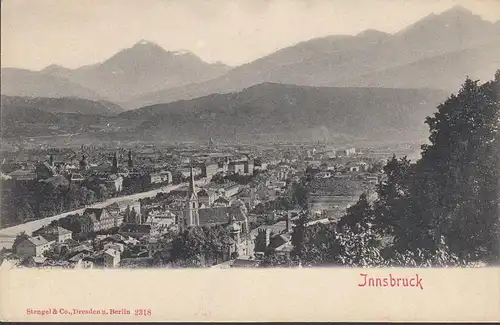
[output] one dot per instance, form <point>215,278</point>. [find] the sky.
<point>72,33</point>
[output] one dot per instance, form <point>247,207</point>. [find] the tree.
<point>199,247</point>
<point>358,217</point>
<point>218,178</point>
<point>300,195</point>
<point>19,238</point>
<point>458,191</point>
<point>441,211</point>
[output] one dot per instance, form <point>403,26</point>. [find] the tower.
<point>83,163</point>
<point>193,205</point>
<point>234,229</point>
<point>114,169</point>
<point>51,160</point>
<point>262,240</point>
<point>130,164</point>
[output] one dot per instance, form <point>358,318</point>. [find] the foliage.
<point>300,195</point>
<point>441,211</point>
<point>19,238</point>
<point>198,247</point>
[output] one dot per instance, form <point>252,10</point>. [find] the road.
<point>7,235</point>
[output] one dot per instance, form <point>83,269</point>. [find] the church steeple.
<point>115,163</point>
<point>129,162</point>
<point>192,186</point>
<point>193,204</point>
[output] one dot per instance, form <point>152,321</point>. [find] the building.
<point>83,164</point>
<point>130,163</point>
<point>208,170</point>
<point>114,183</point>
<point>33,246</point>
<point>163,177</point>
<point>111,258</point>
<point>192,217</point>
<point>45,170</point>
<point>23,175</point>
<point>97,219</point>
<point>115,212</point>
<point>135,230</point>
<point>81,261</point>
<point>345,152</point>
<point>236,167</point>
<point>332,196</point>
<point>56,234</point>
<point>76,178</point>
<point>206,197</point>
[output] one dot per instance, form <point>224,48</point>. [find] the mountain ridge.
<point>368,59</point>
<point>62,105</point>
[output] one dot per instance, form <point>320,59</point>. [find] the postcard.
<point>268,160</point>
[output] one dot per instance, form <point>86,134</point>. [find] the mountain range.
<point>438,52</point>
<point>268,111</point>
<point>373,85</point>
<point>460,43</point>
<point>143,68</point>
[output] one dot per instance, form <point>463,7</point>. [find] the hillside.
<point>21,82</point>
<point>62,105</point>
<point>275,111</point>
<point>18,122</point>
<point>265,112</point>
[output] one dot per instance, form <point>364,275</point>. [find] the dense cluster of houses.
<point>129,233</point>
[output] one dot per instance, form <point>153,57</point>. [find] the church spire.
<point>115,163</point>
<point>130,162</point>
<point>193,204</point>
<point>192,189</point>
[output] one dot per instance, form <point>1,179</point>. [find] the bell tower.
<point>193,204</point>
<point>114,169</point>
<point>130,162</point>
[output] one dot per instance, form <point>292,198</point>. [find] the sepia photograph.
<point>227,134</point>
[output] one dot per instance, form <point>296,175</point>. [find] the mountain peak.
<point>458,10</point>
<point>147,45</point>
<point>372,33</point>
<point>181,52</point>
<point>54,68</point>
<point>145,42</point>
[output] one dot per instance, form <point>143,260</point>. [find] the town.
<point>94,207</point>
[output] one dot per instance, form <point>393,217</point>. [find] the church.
<point>234,216</point>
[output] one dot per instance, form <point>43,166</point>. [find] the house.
<point>345,152</point>
<point>245,263</point>
<point>114,183</point>
<point>208,170</point>
<point>163,177</point>
<point>116,246</point>
<point>222,201</point>
<point>248,196</point>
<point>111,258</point>
<point>236,167</point>
<point>77,178</point>
<point>54,233</point>
<point>97,219</point>
<point>23,175</point>
<point>229,189</point>
<point>206,197</point>
<point>135,230</point>
<point>45,170</point>
<point>33,246</point>
<point>81,261</point>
